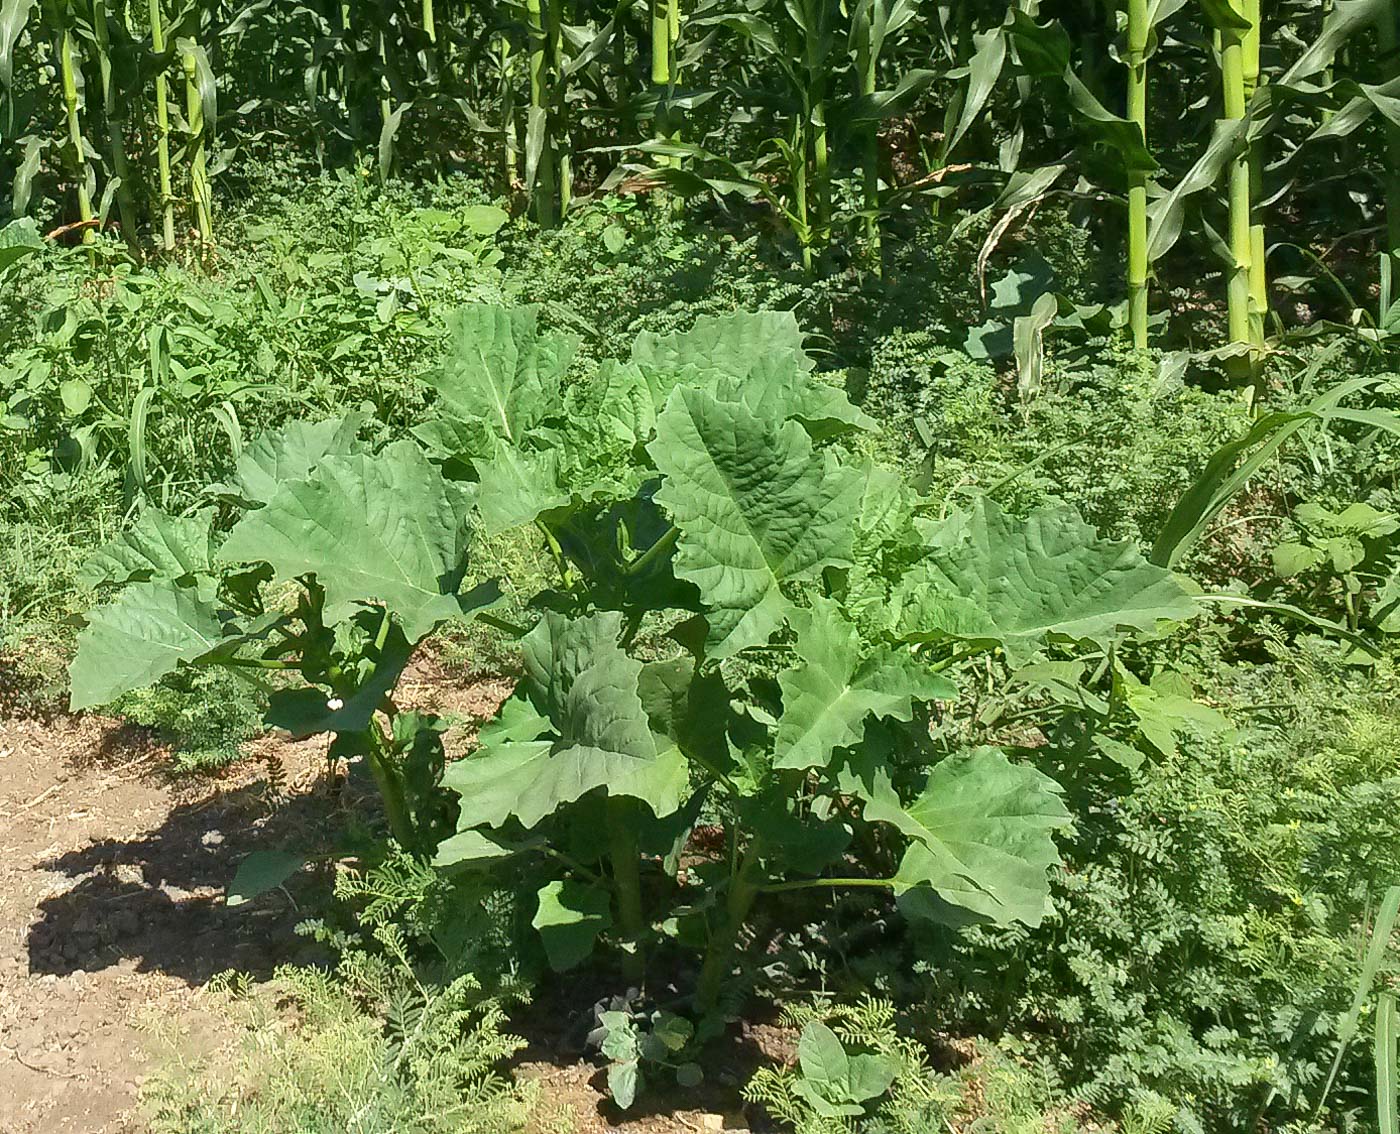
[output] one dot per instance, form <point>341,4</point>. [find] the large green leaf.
<point>827,698</point>
<point>585,688</point>
<point>136,640</point>
<point>1013,583</point>
<point>158,546</point>
<point>516,486</point>
<point>288,454</point>
<point>20,238</point>
<point>754,357</point>
<point>980,835</point>
<point>372,529</point>
<point>499,370</point>
<point>569,918</point>
<point>756,508</point>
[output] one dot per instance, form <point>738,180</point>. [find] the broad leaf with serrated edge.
<point>516,486</point>
<point>136,640</point>
<point>980,834</point>
<point>1013,583</point>
<point>754,357</point>
<point>756,508</point>
<point>372,529</point>
<point>585,689</point>
<point>283,455</point>
<point>827,698</point>
<point>499,370</point>
<point>158,546</point>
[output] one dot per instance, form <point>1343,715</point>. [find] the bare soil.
<point>112,916</point>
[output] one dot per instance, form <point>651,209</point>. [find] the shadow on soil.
<point>158,898</point>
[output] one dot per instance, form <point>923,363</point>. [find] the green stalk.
<point>870,171</point>
<point>126,201</point>
<point>1258,270</point>
<point>509,139</point>
<point>557,125</point>
<point>1240,239</point>
<point>386,108</point>
<point>821,161</point>
<point>386,778</point>
<point>1388,33</point>
<point>430,22</point>
<point>167,197</point>
<point>660,44</point>
<point>627,883</point>
<point>75,134</point>
<point>1137,179</point>
<point>199,169</point>
<point>719,955</point>
<point>542,191</point>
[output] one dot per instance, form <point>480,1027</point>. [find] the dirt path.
<point>111,908</point>
<point>112,914</point>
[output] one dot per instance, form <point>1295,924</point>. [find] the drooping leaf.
<point>499,370</point>
<point>569,918</point>
<point>516,486</point>
<point>157,547</point>
<point>385,529</point>
<point>260,872</point>
<point>756,508</point>
<point>1013,583</point>
<point>137,639</point>
<point>827,698</point>
<point>307,710</point>
<point>980,835</point>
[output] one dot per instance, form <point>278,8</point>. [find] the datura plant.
<point>750,628</point>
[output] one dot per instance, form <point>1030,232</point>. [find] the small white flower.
<point>335,704</point>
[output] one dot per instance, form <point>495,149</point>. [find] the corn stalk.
<point>167,198</point>
<point>198,86</point>
<point>71,73</point>
<point>116,125</point>
<point>1139,28</point>
<point>1232,74</point>
<point>1388,40</point>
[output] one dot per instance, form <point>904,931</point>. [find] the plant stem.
<point>654,552</point>
<point>1137,179</point>
<point>818,883</point>
<point>1258,274</point>
<point>1241,243</point>
<point>542,187</point>
<point>75,134</point>
<point>1388,40</point>
<point>199,172</point>
<point>627,883</point>
<point>719,956</point>
<point>386,778</point>
<point>509,142</point>
<point>870,162</point>
<point>167,199</point>
<point>557,123</point>
<point>126,201</point>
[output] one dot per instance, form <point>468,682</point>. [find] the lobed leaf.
<point>385,529</point>
<point>1013,583</point>
<point>756,508</point>
<point>829,696</point>
<point>147,632</point>
<point>980,836</point>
